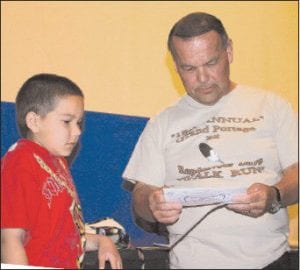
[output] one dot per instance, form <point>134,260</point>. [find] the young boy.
<point>41,218</point>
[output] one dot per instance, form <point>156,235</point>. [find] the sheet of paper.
<point>201,196</point>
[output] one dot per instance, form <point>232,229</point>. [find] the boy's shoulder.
<point>20,153</point>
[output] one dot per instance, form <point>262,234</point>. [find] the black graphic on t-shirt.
<point>218,125</point>
<point>224,171</point>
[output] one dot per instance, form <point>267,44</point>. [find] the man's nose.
<point>202,75</point>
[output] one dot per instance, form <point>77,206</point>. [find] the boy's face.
<point>60,129</point>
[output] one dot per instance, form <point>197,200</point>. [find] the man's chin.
<point>206,100</point>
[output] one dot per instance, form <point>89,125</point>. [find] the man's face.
<point>203,65</point>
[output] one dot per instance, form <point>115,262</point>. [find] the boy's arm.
<point>107,250</point>
<point>12,246</point>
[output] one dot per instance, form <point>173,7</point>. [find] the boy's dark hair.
<point>196,24</point>
<point>39,94</point>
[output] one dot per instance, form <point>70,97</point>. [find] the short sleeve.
<point>287,133</point>
<point>146,163</point>
<point>18,194</point>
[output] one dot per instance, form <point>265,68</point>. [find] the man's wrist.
<point>277,202</point>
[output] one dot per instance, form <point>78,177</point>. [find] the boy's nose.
<point>76,131</point>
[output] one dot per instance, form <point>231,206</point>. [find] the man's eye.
<point>188,68</point>
<point>66,121</point>
<point>212,63</point>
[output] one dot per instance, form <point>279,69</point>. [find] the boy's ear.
<point>32,121</point>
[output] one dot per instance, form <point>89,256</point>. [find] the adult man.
<point>253,135</point>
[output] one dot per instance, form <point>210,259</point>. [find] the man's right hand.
<point>162,211</point>
<point>149,204</point>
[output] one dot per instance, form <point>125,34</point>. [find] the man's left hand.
<point>256,202</point>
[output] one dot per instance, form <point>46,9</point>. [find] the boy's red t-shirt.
<point>38,195</point>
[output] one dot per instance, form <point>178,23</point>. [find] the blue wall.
<point>106,145</point>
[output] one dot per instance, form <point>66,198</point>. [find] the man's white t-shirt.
<point>254,134</point>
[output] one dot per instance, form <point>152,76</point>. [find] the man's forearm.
<point>288,185</point>
<point>141,194</point>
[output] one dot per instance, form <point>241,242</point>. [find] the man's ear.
<point>175,66</point>
<point>32,121</point>
<point>229,51</point>
<point>175,63</point>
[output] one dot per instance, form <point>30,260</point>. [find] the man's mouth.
<point>205,90</point>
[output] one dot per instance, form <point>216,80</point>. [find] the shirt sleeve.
<point>146,163</point>
<point>18,194</point>
<point>287,133</point>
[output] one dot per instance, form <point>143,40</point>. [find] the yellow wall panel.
<point>116,51</point>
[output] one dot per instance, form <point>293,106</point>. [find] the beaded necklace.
<point>75,207</point>
<point>63,181</point>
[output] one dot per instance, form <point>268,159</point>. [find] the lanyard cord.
<point>195,225</point>
<point>140,250</point>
